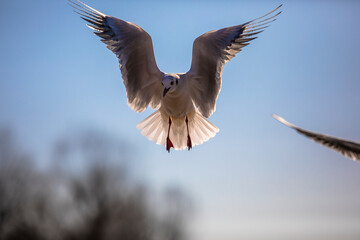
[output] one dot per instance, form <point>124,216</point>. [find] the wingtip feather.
<point>93,9</point>
<point>283,121</point>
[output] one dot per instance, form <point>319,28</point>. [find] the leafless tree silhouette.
<point>98,200</point>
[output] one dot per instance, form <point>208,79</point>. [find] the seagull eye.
<point>172,83</point>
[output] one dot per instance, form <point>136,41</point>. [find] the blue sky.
<point>256,179</point>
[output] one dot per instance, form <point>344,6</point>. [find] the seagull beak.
<point>165,91</point>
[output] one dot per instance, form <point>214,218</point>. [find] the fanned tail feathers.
<point>201,130</point>
<point>155,128</point>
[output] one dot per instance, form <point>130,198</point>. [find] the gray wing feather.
<point>134,50</point>
<point>348,148</point>
<point>211,51</point>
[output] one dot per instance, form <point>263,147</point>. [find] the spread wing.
<point>348,148</point>
<point>211,51</point>
<point>133,47</point>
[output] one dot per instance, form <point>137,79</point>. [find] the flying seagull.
<point>183,100</point>
<point>348,148</point>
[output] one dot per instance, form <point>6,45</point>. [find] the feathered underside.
<point>348,148</point>
<point>134,50</point>
<point>212,50</point>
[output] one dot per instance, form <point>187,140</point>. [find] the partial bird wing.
<point>211,51</point>
<point>348,148</point>
<point>134,49</point>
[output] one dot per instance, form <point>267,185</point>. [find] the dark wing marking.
<point>133,47</point>
<point>348,148</point>
<point>212,50</point>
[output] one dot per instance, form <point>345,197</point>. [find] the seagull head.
<point>170,83</point>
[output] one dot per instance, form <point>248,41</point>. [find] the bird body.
<point>183,100</point>
<point>186,121</point>
<point>177,102</point>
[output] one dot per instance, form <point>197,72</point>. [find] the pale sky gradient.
<point>256,179</point>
